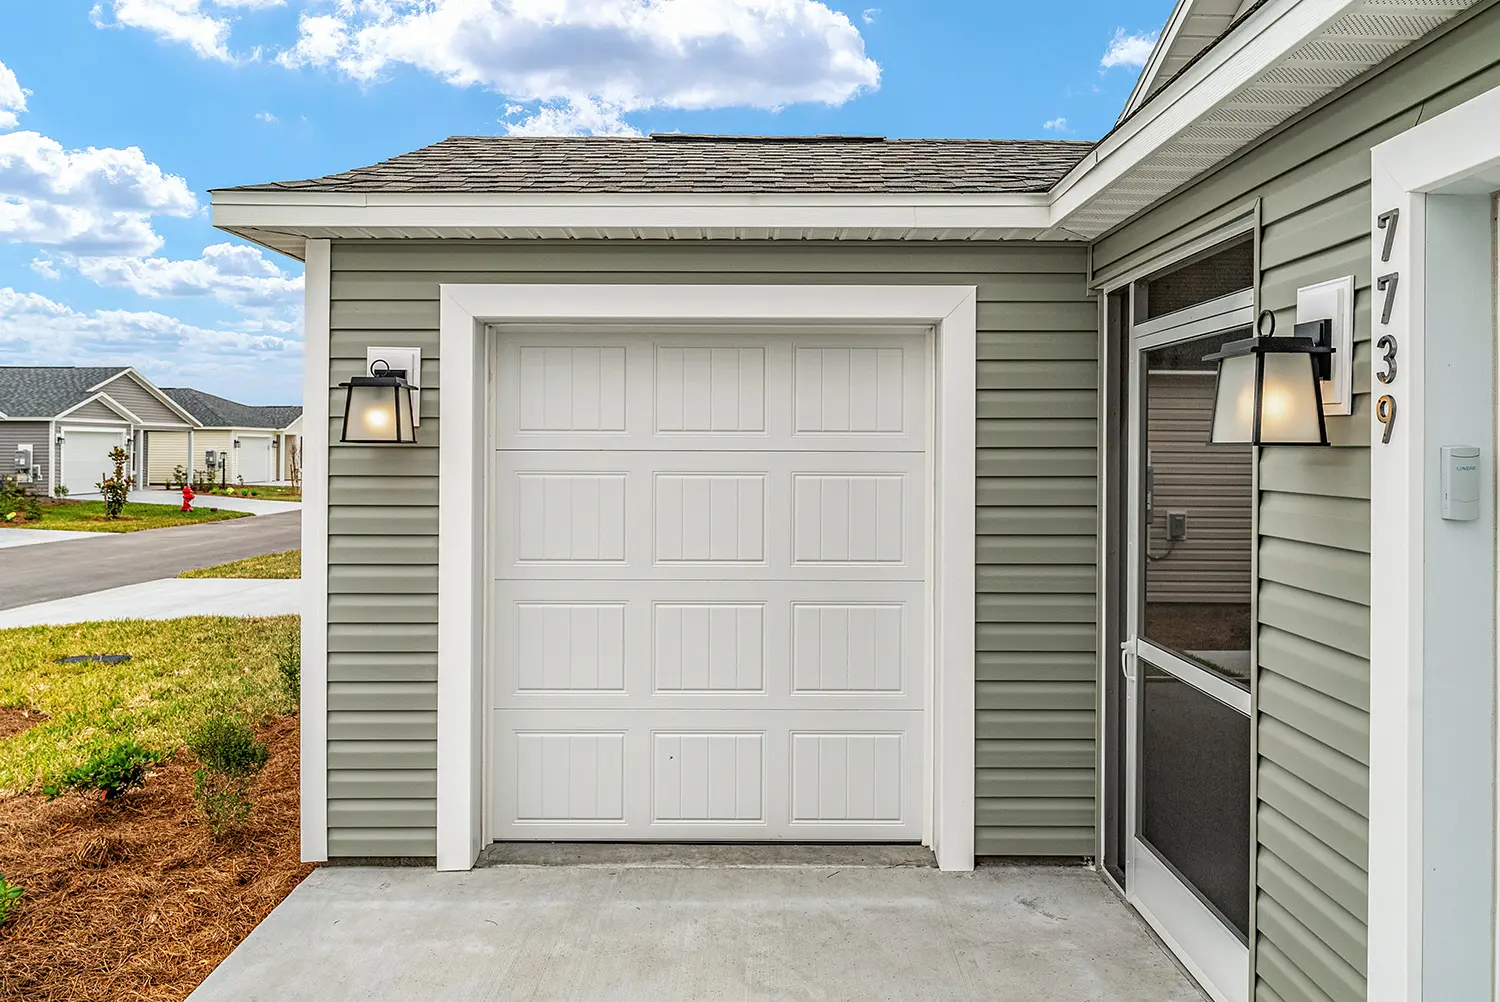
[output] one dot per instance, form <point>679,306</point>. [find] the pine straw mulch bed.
<point>134,899</point>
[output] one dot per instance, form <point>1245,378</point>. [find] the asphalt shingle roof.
<point>217,412</point>
<point>46,391</point>
<point>706,164</point>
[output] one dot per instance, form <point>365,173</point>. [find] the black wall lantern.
<point>378,408</point>
<point>1268,390</point>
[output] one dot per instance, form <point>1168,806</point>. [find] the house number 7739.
<point>1385,407</point>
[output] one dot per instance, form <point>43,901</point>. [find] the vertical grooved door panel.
<point>707,616</point>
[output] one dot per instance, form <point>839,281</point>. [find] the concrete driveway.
<point>655,932</point>
<point>53,570</point>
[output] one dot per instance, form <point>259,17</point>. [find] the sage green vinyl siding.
<point>1036,517</point>
<point>1313,686</point>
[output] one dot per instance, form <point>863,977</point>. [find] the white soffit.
<point>1283,58</point>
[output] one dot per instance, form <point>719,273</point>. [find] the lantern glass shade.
<point>378,410</point>
<point>1269,393</point>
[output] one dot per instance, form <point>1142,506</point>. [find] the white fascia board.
<point>1158,56</point>
<point>315,214</point>
<point>109,402</point>
<point>1263,39</point>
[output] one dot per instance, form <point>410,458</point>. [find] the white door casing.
<point>708,606</point>
<point>468,311</point>
<point>1455,152</point>
<point>85,458</point>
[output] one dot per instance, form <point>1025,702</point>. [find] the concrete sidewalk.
<point>171,598</point>
<point>254,506</point>
<point>11,538</point>
<point>1000,934</point>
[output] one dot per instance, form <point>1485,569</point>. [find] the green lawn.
<point>180,672</point>
<point>265,492</point>
<point>271,565</point>
<point>88,516</point>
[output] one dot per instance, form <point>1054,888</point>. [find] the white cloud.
<point>183,21</point>
<point>593,58</point>
<point>569,118</point>
<point>256,362</point>
<point>12,98</point>
<point>1128,50</point>
<point>236,274</point>
<point>1056,125</point>
<point>267,117</point>
<point>89,201</point>
<point>869,14</point>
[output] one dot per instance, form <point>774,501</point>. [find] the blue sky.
<point>117,116</point>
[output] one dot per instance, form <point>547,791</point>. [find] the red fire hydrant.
<point>187,497</point>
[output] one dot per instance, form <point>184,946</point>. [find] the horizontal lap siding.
<point>1036,517</point>
<point>1313,686</point>
<point>38,435</point>
<point>165,451</point>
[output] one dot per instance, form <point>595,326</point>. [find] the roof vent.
<point>689,137</point>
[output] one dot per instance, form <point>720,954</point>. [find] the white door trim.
<point>1455,148</point>
<point>314,696</point>
<point>465,310</point>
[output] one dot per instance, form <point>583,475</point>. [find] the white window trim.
<point>314,716</point>
<point>1456,145</point>
<point>465,311</point>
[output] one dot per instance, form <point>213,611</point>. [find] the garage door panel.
<point>85,458</point>
<point>790,645</point>
<point>741,515</point>
<point>808,776</point>
<point>709,613</point>
<point>696,391</point>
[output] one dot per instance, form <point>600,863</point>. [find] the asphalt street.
<point>69,567</point>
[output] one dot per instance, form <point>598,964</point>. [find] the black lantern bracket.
<point>407,362</point>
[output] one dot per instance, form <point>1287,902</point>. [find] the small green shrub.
<point>60,491</point>
<point>113,772</point>
<point>116,486</point>
<point>179,476</point>
<point>10,900</point>
<point>17,503</point>
<point>230,755</point>
<point>289,665</point>
<point>227,745</point>
<point>223,799</point>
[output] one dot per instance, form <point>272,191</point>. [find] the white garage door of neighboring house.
<point>85,458</point>
<point>255,459</point>
<point>709,600</point>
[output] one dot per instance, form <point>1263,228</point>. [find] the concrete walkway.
<point>68,567</point>
<point>172,598</point>
<point>11,538</point>
<point>255,506</point>
<point>1000,934</point>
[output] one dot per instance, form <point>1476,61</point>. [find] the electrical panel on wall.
<point>1334,301</point>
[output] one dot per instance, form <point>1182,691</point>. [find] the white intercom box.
<point>1460,482</point>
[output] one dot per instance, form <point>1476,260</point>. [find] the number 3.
<point>1387,342</point>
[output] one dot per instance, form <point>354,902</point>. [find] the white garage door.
<point>255,460</point>
<point>708,612</point>
<point>85,458</point>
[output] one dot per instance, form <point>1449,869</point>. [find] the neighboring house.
<point>256,439</point>
<point>67,420</point>
<point>826,489</point>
